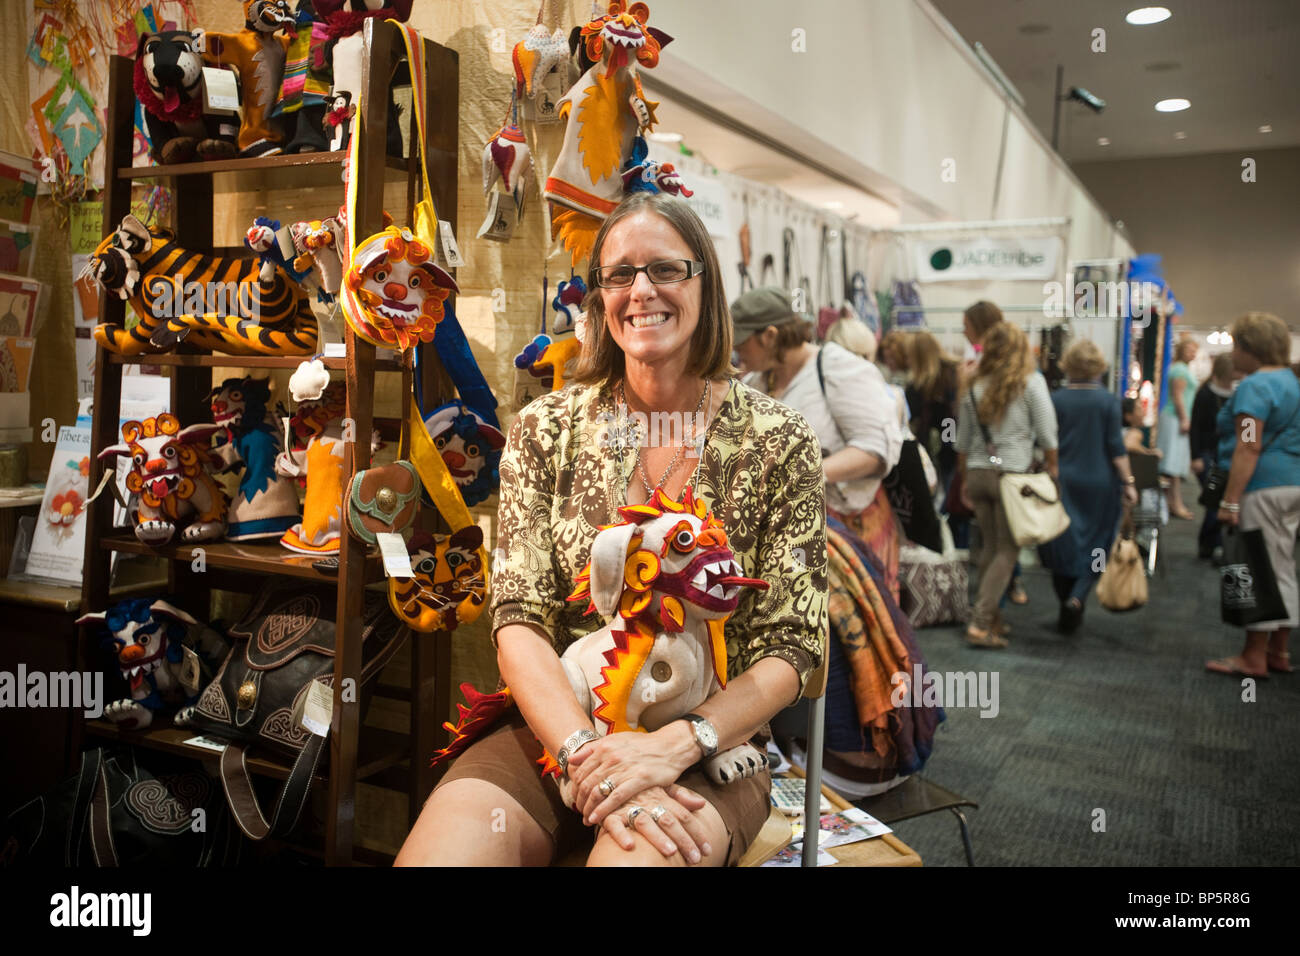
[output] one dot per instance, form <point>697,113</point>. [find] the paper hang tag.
<point>190,671</point>
<point>397,560</point>
<point>284,242</point>
<point>220,91</point>
<point>318,708</point>
<point>501,219</point>
<point>450,252</point>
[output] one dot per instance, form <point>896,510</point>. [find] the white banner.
<point>954,260</point>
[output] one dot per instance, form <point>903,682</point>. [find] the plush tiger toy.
<point>211,301</point>
<point>448,588</point>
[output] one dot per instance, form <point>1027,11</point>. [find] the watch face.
<point>707,736</point>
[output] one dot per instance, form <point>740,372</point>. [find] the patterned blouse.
<point>760,474</point>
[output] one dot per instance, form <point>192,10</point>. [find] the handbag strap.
<point>821,383</point>
<point>87,781</point>
<point>242,798</point>
<point>989,446</point>
<point>101,828</point>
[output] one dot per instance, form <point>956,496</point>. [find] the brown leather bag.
<point>383,499</point>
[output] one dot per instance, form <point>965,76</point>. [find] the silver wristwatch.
<point>705,734</point>
<point>572,744</point>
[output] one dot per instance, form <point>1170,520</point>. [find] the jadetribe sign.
<point>956,260</point>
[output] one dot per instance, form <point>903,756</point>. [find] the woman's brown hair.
<point>983,315</point>
<point>601,361</point>
<point>934,373</point>
<point>1264,336</point>
<point>1083,361</point>
<point>1006,363</point>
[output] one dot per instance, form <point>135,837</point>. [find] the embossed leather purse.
<point>383,499</point>
<point>256,701</point>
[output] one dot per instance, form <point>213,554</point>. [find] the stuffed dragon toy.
<point>666,581</point>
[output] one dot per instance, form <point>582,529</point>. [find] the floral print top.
<point>760,474</point>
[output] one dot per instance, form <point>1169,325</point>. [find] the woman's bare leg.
<point>475,823</point>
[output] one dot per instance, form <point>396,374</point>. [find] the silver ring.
<point>657,813</point>
<point>606,787</point>
<point>632,814</point>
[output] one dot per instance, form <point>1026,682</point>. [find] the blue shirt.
<point>1274,399</point>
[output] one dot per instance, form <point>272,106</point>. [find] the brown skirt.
<point>508,757</point>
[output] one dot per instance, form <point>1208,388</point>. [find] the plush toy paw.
<point>178,150</point>
<point>735,764</point>
<point>132,715</point>
<point>204,531</point>
<point>155,531</point>
<point>209,149</point>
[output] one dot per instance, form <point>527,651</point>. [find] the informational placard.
<point>984,258</point>
<point>58,544</point>
<point>710,202</point>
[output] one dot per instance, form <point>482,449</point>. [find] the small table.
<point>884,850</point>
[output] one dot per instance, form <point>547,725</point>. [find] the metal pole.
<point>1056,109</point>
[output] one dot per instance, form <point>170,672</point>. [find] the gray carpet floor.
<point>1120,717</point>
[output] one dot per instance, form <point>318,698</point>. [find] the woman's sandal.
<point>1229,666</point>
<point>1280,663</point>
<point>1017,595</point>
<point>976,637</point>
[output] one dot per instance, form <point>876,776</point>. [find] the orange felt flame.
<point>626,658</point>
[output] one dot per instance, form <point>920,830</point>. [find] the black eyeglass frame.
<point>693,269</point>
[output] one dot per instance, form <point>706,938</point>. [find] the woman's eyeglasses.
<point>660,273</point>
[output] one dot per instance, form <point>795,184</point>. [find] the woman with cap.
<point>657,347</point>
<point>845,400</point>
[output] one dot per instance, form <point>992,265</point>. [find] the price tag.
<point>447,239</point>
<point>501,219</point>
<point>318,709</point>
<point>336,350</point>
<point>190,672</point>
<point>220,91</point>
<point>546,105</point>
<point>397,560</point>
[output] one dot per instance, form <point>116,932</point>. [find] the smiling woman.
<point>746,476</point>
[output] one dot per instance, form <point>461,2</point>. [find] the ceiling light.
<point>1103,141</point>
<point>833,204</point>
<point>1145,16</point>
<point>1266,128</point>
<point>1174,105</point>
<point>666,137</point>
<point>1180,135</point>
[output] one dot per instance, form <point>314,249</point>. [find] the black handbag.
<point>909,496</point>
<point>117,812</point>
<point>282,645</point>
<point>1216,480</point>
<point>1248,591</point>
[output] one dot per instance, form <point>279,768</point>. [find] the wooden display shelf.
<point>306,163</point>
<point>229,555</point>
<point>386,749</point>
<point>383,363</point>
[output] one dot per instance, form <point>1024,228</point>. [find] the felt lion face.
<point>399,289</point>
<point>622,34</point>
<point>165,458</point>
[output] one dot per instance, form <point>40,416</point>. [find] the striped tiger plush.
<point>215,302</point>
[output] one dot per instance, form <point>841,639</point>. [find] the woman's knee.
<point>469,822</point>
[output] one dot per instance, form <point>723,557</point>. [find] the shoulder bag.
<point>1216,482</point>
<point>1032,501</point>
<point>282,646</point>
<point>1123,583</point>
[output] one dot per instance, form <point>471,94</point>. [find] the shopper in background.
<point>1010,397</point>
<point>847,403</point>
<point>1203,440</point>
<point>892,354</point>
<point>1259,433</point>
<point>852,333</point>
<point>932,398</point>
<point>976,322</point>
<point>1095,477</point>
<point>1175,423</point>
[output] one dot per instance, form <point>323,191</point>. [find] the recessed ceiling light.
<point>1173,105</point>
<point>1103,141</point>
<point>833,204</point>
<point>1145,16</point>
<point>1180,135</point>
<point>666,137</point>
<point>1266,128</point>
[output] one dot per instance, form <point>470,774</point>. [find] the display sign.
<point>711,204</point>
<point>985,258</point>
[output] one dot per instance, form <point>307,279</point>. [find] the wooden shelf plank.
<point>383,364</point>
<point>306,162</point>
<point>268,558</point>
<point>387,749</point>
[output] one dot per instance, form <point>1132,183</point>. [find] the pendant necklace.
<point>705,395</point>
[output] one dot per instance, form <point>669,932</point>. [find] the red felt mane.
<point>151,101</point>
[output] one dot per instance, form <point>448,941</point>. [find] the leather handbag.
<point>282,645</point>
<point>1123,584</point>
<point>383,499</point>
<point>117,812</point>
<point>1031,500</point>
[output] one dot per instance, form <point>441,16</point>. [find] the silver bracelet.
<point>572,744</point>
<point>1232,507</point>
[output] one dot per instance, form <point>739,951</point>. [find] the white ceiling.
<point>1237,61</point>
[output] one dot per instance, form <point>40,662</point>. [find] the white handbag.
<point>1032,503</point>
<point>1031,500</point>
